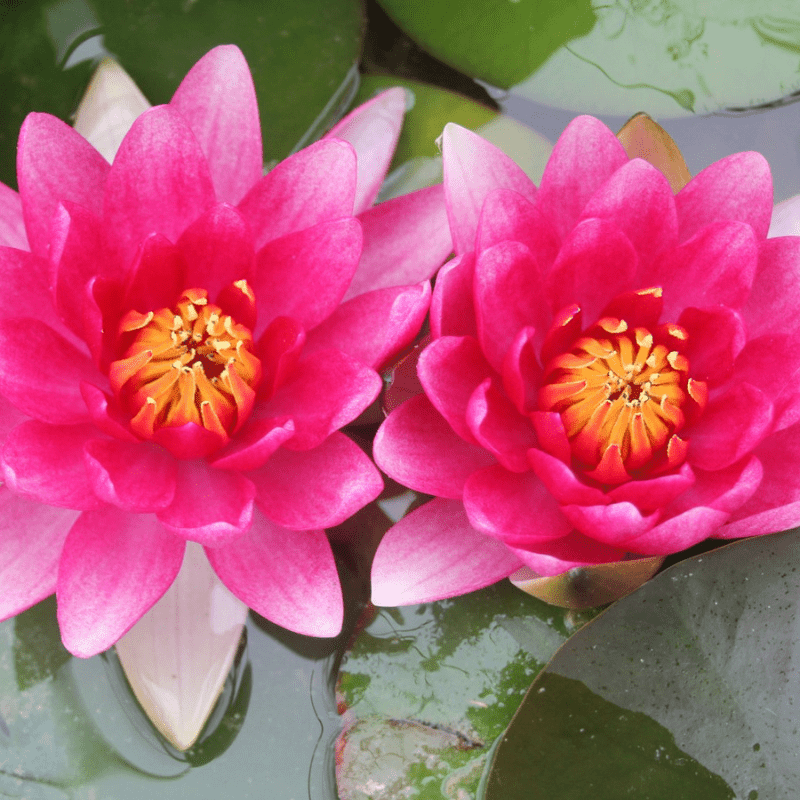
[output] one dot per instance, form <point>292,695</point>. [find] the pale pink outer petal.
<point>304,275</point>
<point>54,163</point>
<point>452,308</point>
<point>435,553</point>
<point>318,488</point>
<point>31,537</point>
<point>417,447</point>
<point>374,326</point>
<point>472,168</point>
<point>137,477</point>
<point>211,506</point>
<point>113,568</point>
<point>314,185</point>
<point>785,218</point>
<point>41,372</point>
<point>159,182</point>
<point>586,154</point>
<point>12,225</point>
<point>218,100</point>
<point>373,129</point>
<point>406,239</point>
<point>287,576</point>
<point>46,463</point>
<point>738,187</point>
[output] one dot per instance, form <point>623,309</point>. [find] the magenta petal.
<point>435,553</point>
<point>31,537</point>
<point>681,532</point>
<point>509,295</point>
<point>40,371</point>
<point>287,576</point>
<point>159,183</point>
<point>738,187</point>
<point>316,488</point>
<point>515,508</point>
<point>12,225</point>
<point>105,414</point>
<point>731,426</point>
<point>158,276</point>
<point>314,185</point>
<point>716,337</point>
<point>211,506</point>
<point>218,250</point>
<point>450,369</point>
<point>374,326</point>
<point>586,154</point>
<point>257,440</point>
<point>554,556</point>
<point>561,481</point>
<point>45,462</point>
<point>218,100</point>
<point>417,447</point>
<point>648,495</point>
<point>452,308</point>
<point>522,374</point>
<point>136,477</point>
<point>54,163</point>
<point>716,266</point>
<point>596,263</point>
<point>406,239</point>
<point>615,524</point>
<point>774,301</point>
<point>373,129</point>
<point>114,567</point>
<point>304,275</point>
<point>329,390</point>
<point>472,168</point>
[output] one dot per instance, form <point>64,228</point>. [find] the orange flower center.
<point>621,395</point>
<point>193,363</point>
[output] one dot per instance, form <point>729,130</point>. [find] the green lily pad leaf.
<point>38,652</point>
<point>426,690</point>
<point>689,687</point>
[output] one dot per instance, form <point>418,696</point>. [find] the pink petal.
<point>330,389</point>
<point>648,495</point>
<point>716,337</point>
<point>105,414</point>
<point>596,263</point>
<point>114,567</point>
<point>159,182</point>
<point>40,371</point>
<point>615,524</point>
<point>716,266</point>
<point>46,463</point>
<point>316,488</point>
<point>472,168</point>
<point>561,481</point>
<point>304,275</point>
<point>450,369</point>
<point>586,154</point>
<point>157,277</point>
<point>54,163</point>
<point>190,441</point>
<point>12,225</point>
<point>738,187</point>
<point>417,447</point>
<point>515,508</point>
<point>452,308</point>
<point>218,249</point>
<point>218,100</point>
<point>373,129</point>
<point>785,219</point>
<point>211,506</point>
<point>136,477</point>
<point>406,239</point>
<point>315,185</point>
<point>254,444</point>
<point>522,374</point>
<point>499,427</point>
<point>554,556</point>
<point>774,302</point>
<point>279,350</point>
<point>374,326</point>
<point>730,427</point>
<point>508,216</point>
<point>31,537</point>
<point>651,222</point>
<point>509,295</point>
<point>287,576</point>
<point>681,532</point>
<point>435,553</point>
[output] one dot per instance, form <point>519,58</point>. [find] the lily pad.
<point>689,687</point>
<point>426,690</point>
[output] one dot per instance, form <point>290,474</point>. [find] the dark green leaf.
<point>38,652</point>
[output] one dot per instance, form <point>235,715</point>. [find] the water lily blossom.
<point>181,340</point>
<point>611,372</point>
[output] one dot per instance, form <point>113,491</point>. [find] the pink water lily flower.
<point>181,340</point>
<point>612,371</point>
